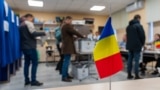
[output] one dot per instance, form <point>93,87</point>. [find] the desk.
<point>141,84</point>
<point>146,54</point>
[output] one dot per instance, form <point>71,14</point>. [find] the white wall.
<point>153,10</point>
<point>120,19</point>
<point>120,22</point>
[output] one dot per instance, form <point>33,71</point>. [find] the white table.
<point>142,84</point>
<point>146,51</point>
<point>154,54</point>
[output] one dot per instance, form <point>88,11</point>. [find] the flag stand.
<point>110,83</point>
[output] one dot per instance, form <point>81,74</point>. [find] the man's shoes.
<point>155,72</point>
<point>66,80</point>
<point>137,77</point>
<point>60,73</point>
<point>143,73</point>
<point>130,77</point>
<point>36,83</point>
<point>27,83</point>
<point>70,77</point>
<point>57,69</point>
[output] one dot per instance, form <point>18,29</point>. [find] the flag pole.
<point>110,78</point>
<point>110,9</point>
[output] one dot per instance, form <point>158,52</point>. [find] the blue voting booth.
<point>10,54</point>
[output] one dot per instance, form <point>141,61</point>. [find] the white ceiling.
<point>72,6</point>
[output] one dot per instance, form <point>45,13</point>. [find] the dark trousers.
<point>65,66</point>
<point>31,57</point>
<point>149,59</point>
<point>157,63</point>
<point>133,55</point>
<point>146,60</point>
<point>60,63</point>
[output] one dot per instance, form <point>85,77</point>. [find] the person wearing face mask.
<point>122,44</point>
<point>96,36</point>
<point>90,36</point>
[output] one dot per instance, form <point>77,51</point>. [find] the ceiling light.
<point>97,8</point>
<point>35,3</point>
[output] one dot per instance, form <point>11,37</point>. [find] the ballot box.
<point>84,46</point>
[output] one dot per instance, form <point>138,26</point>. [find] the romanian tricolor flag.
<point>157,44</point>
<point>106,53</point>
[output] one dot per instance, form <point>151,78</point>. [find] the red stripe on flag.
<point>109,66</point>
<point>157,46</point>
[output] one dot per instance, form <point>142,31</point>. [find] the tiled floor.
<point>51,79</point>
<point>141,84</point>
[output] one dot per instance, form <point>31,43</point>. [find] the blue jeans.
<point>65,65</point>
<point>133,55</point>
<point>31,57</point>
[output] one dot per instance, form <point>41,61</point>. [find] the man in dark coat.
<point>68,47</point>
<point>135,42</point>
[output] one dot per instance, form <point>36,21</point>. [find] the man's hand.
<point>84,36</point>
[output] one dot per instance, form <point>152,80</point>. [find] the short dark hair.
<point>68,17</point>
<point>28,15</point>
<point>90,30</point>
<point>61,20</point>
<point>21,19</point>
<point>158,35</point>
<point>137,17</point>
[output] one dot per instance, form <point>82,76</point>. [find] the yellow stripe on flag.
<point>105,48</point>
<point>157,43</point>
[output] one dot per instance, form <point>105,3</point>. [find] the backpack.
<point>58,34</point>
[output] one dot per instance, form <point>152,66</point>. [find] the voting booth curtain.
<point>9,35</point>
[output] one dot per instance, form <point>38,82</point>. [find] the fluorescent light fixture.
<point>97,8</point>
<point>35,3</point>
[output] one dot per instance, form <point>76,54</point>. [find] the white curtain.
<point>151,32</point>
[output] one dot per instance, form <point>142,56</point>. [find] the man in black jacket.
<point>28,36</point>
<point>135,42</point>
